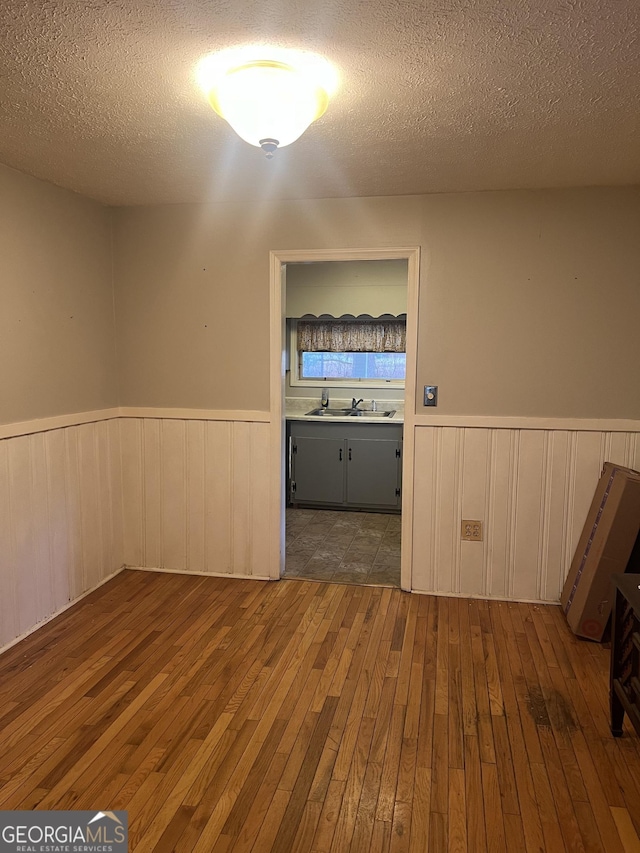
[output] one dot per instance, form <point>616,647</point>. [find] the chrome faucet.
<point>354,404</point>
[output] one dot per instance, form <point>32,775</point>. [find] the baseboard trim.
<point>478,597</point>
<point>55,615</point>
<point>201,574</point>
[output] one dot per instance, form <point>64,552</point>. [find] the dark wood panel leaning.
<point>625,652</point>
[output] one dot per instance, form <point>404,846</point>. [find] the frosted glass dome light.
<point>268,96</point>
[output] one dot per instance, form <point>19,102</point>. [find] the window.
<point>385,366</point>
<point>344,352</point>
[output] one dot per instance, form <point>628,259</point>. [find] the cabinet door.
<point>318,470</point>
<point>373,472</point>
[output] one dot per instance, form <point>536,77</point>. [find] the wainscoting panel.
<point>531,488</point>
<point>60,520</point>
<point>196,495</point>
<point>192,494</point>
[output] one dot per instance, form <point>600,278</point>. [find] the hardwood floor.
<point>231,715</point>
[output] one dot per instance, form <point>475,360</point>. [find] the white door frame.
<point>278,259</point>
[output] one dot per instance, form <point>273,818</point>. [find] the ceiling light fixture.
<point>269,96</point>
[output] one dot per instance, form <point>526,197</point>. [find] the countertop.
<point>296,409</point>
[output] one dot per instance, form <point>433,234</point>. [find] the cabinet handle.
<point>349,454</point>
<point>340,454</point>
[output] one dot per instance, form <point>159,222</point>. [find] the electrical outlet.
<point>471,530</point>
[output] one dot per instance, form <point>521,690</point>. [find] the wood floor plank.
<point>561,796</point>
<point>455,711</point>
<point>626,830</point>
<point>504,765</point>
<point>485,729</point>
<point>514,832</point>
<point>272,823</point>
<point>307,825</point>
<point>457,817</point>
<point>493,815</point>
<point>476,831</point>
<point>440,765</point>
<point>548,814</point>
<point>400,828</point>
<point>588,828</point>
<point>331,806</point>
<point>407,770</point>
<point>296,805</point>
<point>391,767</point>
<point>256,816</point>
<point>598,795</point>
<point>349,809</point>
<point>529,805</point>
<point>427,698</point>
<point>420,811</point>
<point>230,716</point>
<point>467,683</point>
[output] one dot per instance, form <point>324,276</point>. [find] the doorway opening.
<point>342,467</point>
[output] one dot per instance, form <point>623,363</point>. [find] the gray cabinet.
<point>319,469</point>
<point>345,464</point>
<point>373,469</point>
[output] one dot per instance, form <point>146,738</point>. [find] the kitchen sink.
<point>330,413</point>
<point>367,413</point>
<point>350,413</point>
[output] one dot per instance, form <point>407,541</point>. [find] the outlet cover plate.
<point>431,395</point>
<point>471,531</point>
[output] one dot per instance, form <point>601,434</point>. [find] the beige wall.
<point>192,291</point>
<point>57,339</point>
<point>347,287</point>
<point>531,303</point>
<point>529,300</point>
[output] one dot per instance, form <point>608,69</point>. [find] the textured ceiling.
<point>436,95</point>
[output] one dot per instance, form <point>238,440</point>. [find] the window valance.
<point>352,335</point>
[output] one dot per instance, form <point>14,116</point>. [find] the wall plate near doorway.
<point>431,395</point>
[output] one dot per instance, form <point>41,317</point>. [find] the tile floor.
<point>346,547</point>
